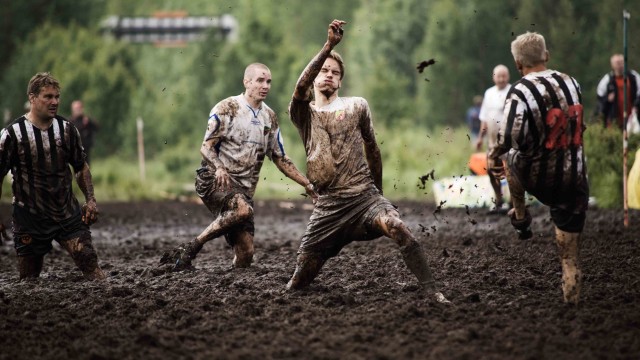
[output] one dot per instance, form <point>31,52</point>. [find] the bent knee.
<point>242,207</point>
<point>391,223</point>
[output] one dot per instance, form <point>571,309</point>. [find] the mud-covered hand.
<point>335,32</point>
<point>311,191</point>
<point>479,144</point>
<point>90,212</point>
<point>497,171</point>
<point>223,181</point>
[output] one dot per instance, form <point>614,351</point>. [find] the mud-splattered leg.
<point>239,212</point>
<point>568,247</point>
<point>243,248</point>
<point>84,255</point>
<point>30,266</point>
<point>413,255</point>
<point>520,217</point>
<point>307,268</point>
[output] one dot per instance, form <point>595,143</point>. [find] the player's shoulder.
<point>355,100</point>
<point>15,122</point>
<point>62,118</point>
<point>268,110</point>
<point>228,106</point>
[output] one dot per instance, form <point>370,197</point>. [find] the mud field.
<point>365,303</point>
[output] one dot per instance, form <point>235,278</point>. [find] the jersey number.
<point>559,136</point>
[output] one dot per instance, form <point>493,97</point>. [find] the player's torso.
<point>336,158</point>
<point>42,153</point>
<point>495,106</point>
<point>246,141</point>
<point>553,150</point>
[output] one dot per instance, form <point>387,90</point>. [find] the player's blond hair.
<point>529,49</point>
<point>40,80</point>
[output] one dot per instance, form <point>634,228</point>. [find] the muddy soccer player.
<point>38,149</point>
<point>542,137</point>
<point>242,130</point>
<point>344,164</point>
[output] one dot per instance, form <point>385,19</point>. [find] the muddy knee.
<point>397,230</point>
<point>242,207</point>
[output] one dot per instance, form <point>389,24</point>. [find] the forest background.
<point>419,117</point>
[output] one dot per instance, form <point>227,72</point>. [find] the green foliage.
<point>603,148</point>
<point>99,72</point>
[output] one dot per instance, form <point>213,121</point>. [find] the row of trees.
<point>173,89</point>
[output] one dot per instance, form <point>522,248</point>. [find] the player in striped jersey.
<point>543,141</point>
<point>38,148</point>
<point>241,131</point>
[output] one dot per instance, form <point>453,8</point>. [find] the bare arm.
<point>90,208</point>
<point>289,169</point>
<point>303,86</point>
<point>372,152</point>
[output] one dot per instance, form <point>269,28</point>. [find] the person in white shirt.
<point>241,131</point>
<point>491,115</point>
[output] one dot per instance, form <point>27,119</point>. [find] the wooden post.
<point>625,136</point>
<point>140,125</point>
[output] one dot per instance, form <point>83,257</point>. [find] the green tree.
<point>99,72</point>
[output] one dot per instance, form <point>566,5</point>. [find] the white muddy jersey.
<point>246,136</point>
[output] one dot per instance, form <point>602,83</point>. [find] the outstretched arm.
<point>90,207</point>
<point>372,151</point>
<point>303,86</point>
<point>288,168</point>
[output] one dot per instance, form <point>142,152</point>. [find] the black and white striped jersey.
<point>543,135</point>
<point>39,162</point>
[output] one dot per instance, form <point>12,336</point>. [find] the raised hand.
<point>335,32</point>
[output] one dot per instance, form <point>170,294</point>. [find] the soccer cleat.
<point>180,258</point>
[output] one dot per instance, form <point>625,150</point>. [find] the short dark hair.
<point>40,80</point>
<point>335,56</point>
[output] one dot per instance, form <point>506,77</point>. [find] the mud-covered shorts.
<point>33,233</point>
<point>567,204</point>
<point>338,220</point>
<point>218,201</point>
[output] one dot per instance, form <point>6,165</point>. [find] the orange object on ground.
<point>478,163</point>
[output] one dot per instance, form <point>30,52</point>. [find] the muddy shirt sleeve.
<point>300,112</point>
<point>77,156</point>
<point>216,126</point>
<point>513,131</point>
<point>275,143</point>
<point>6,152</point>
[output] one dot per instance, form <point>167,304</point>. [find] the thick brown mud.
<point>365,303</point>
